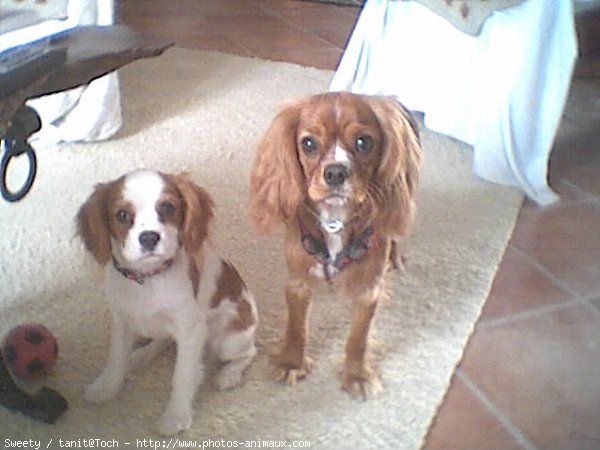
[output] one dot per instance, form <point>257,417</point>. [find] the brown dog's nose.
<point>335,174</point>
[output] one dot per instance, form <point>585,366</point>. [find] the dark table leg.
<point>24,123</point>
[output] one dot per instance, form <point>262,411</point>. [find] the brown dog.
<point>339,171</point>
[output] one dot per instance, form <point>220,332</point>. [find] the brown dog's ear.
<point>276,181</point>
<point>398,171</point>
<point>198,211</point>
<point>93,225</point>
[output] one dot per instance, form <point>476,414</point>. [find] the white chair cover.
<point>502,91</point>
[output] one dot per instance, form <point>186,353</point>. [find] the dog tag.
<point>333,226</point>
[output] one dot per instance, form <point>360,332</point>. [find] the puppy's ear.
<point>398,170</point>
<point>93,224</point>
<point>198,211</point>
<point>276,181</point>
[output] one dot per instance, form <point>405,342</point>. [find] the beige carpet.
<point>204,112</point>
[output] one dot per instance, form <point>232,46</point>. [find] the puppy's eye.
<point>364,144</point>
<point>123,217</point>
<point>309,145</point>
<point>166,209</point>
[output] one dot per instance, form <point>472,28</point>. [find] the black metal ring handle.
<point>18,195</point>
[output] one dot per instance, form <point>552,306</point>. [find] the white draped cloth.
<point>503,91</point>
<point>87,113</point>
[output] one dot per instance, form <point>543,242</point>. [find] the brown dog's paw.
<point>288,372</point>
<point>362,384</point>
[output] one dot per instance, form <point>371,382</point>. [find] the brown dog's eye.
<point>364,144</point>
<point>166,209</point>
<point>123,217</point>
<point>309,145</point>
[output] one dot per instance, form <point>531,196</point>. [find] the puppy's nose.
<point>335,174</point>
<point>149,239</point>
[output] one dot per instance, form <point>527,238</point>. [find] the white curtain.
<point>87,113</point>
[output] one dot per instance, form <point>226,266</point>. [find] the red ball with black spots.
<point>30,351</point>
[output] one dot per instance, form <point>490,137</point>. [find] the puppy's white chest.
<point>156,307</point>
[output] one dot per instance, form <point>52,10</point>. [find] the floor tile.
<point>564,239</point>
<point>156,9</point>
<point>225,7</point>
<point>575,154</point>
<point>464,423</point>
<point>520,286</point>
<point>318,20</point>
<point>542,372</point>
<point>336,36</point>
<point>194,34</point>
<point>250,34</point>
<point>576,158</point>
<point>175,25</point>
<point>583,105</point>
<point>566,189</point>
<point>258,23</point>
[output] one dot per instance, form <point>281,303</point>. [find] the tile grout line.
<point>539,266</point>
<point>512,429</point>
<point>587,196</point>
<point>290,23</point>
<point>236,42</point>
<point>575,297</point>
<point>523,315</point>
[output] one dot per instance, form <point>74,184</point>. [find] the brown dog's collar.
<point>353,251</point>
<point>140,277</point>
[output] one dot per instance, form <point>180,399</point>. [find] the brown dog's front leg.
<point>291,363</point>
<point>358,378</point>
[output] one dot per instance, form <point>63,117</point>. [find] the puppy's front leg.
<point>358,378</point>
<point>188,374</point>
<point>108,383</point>
<point>291,363</point>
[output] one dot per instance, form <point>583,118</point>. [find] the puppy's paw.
<point>288,372</point>
<point>172,422</point>
<point>363,384</point>
<point>101,390</point>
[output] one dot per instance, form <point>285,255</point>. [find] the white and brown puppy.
<point>339,171</point>
<point>164,281</point>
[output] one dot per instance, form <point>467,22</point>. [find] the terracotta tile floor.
<point>530,377</point>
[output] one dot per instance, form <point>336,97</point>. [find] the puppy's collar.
<point>140,277</point>
<point>353,251</point>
